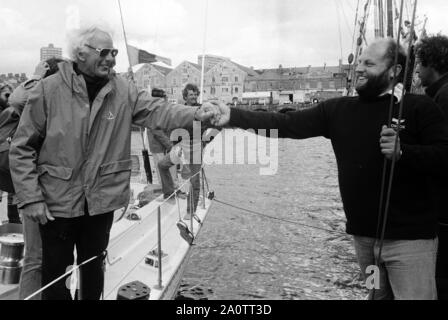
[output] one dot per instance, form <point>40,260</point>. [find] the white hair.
<point>79,37</point>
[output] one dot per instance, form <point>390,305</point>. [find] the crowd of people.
<point>70,161</point>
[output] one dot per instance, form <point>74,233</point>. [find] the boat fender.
<point>185,233</point>
<point>134,217</point>
<point>135,290</point>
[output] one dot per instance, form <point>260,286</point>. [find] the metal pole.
<point>191,206</point>
<point>159,246</point>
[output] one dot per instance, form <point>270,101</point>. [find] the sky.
<point>258,33</point>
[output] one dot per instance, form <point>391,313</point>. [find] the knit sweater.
<point>354,125</point>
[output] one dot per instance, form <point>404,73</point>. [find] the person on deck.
<point>432,69</point>
<point>30,278</point>
<point>192,167</point>
<point>357,129</point>
<point>5,94</point>
<point>70,158</point>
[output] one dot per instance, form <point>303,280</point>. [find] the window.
<point>225,79</point>
<point>236,89</point>
<point>225,90</point>
<point>174,82</point>
<point>185,70</point>
<point>213,79</point>
<point>236,79</point>
<point>184,80</point>
<point>212,90</point>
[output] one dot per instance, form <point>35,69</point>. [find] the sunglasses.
<point>104,52</point>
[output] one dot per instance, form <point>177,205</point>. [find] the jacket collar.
<point>73,80</point>
<point>432,90</point>
<point>398,92</point>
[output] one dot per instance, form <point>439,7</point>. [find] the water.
<point>239,255</point>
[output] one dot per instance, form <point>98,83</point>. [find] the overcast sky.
<point>258,33</point>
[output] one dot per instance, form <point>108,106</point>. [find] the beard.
<point>374,86</point>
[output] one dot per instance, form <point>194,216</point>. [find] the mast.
<point>377,19</point>
<point>359,45</point>
<point>390,18</point>
<point>381,18</point>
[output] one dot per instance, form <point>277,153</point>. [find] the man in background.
<point>432,69</point>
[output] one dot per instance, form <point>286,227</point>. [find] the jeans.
<point>442,264</point>
<point>407,267</point>
<point>30,279</point>
<point>13,212</point>
<point>90,236</point>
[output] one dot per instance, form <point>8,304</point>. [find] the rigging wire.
<point>355,26</point>
<point>339,26</point>
<point>201,97</point>
<point>400,115</point>
<point>278,219</point>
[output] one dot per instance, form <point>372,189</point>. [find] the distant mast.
<point>381,18</point>
<point>390,19</point>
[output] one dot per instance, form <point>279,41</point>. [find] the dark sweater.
<point>438,91</point>
<point>93,84</point>
<point>354,128</point>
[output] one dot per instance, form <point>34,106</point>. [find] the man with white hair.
<point>70,158</point>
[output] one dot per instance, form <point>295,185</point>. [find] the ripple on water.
<point>243,256</point>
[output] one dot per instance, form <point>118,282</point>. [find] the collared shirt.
<point>398,92</point>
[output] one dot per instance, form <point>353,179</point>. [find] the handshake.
<point>218,113</point>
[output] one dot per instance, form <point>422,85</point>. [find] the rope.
<point>64,275</point>
<point>279,219</point>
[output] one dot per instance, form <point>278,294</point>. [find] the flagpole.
<point>145,153</point>
<point>201,97</point>
<point>126,41</point>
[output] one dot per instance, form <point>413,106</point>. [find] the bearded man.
<point>357,129</point>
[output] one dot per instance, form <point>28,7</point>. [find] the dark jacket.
<point>438,91</point>
<point>354,127</point>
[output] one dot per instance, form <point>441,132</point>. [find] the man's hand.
<point>41,69</point>
<point>38,212</point>
<point>207,111</point>
<point>387,143</point>
<point>224,114</point>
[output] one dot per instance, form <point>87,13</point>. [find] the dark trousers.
<point>13,212</point>
<point>90,236</point>
<point>442,264</point>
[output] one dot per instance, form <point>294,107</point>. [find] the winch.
<point>11,253</point>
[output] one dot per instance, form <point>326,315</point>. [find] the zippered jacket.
<point>66,151</point>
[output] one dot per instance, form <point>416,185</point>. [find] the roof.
<point>288,73</point>
<point>158,66</point>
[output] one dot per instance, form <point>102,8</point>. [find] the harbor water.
<point>273,252</point>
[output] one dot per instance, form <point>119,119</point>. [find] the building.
<point>211,60</point>
<point>186,72</point>
<point>225,81</point>
<point>50,52</point>
<point>299,85</point>
<point>13,79</point>
<point>150,76</point>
